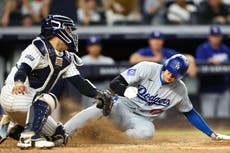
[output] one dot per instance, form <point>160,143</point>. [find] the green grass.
<point>223,132</point>
<point>175,132</point>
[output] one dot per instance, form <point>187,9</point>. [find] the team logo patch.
<point>58,61</point>
<point>177,67</point>
<point>30,57</point>
<point>131,72</point>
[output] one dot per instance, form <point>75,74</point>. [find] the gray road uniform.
<point>135,115</point>
<point>144,96</point>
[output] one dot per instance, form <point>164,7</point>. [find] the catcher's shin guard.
<point>37,116</point>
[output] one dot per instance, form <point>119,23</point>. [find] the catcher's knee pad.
<point>50,99</point>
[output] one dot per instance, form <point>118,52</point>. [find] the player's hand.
<point>220,19</point>
<point>5,20</point>
<point>157,58</point>
<point>215,61</point>
<point>217,136</point>
<point>19,88</point>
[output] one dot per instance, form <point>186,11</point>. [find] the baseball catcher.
<point>26,97</point>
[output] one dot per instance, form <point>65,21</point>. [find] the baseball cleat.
<point>42,143</point>
<point>15,132</point>
<point>60,140</point>
<point>60,137</point>
<point>30,140</point>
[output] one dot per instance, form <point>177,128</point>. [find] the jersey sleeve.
<point>185,104</point>
<point>71,71</point>
<point>136,73</point>
<point>200,54</point>
<point>141,52</point>
<point>110,61</point>
<point>30,56</point>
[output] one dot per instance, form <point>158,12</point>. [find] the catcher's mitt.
<point>104,101</point>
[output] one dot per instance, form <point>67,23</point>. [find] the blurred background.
<point>115,34</point>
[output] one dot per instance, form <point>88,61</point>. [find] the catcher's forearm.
<point>196,120</point>
<point>118,85</point>
<point>84,86</point>
<point>23,70</point>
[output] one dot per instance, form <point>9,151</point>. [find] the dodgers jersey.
<point>47,64</point>
<point>155,97</point>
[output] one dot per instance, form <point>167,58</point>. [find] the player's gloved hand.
<point>104,101</point>
<point>217,136</point>
<point>19,88</point>
<point>131,92</point>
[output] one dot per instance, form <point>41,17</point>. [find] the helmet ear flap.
<point>163,68</point>
<point>46,28</point>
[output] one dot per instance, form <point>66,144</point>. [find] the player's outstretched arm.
<point>197,120</point>
<point>103,98</point>
<point>84,86</point>
<point>136,58</point>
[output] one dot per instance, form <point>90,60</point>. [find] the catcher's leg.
<point>79,120</point>
<point>41,108</point>
<point>9,129</point>
<point>4,128</point>
<point>15,106</point>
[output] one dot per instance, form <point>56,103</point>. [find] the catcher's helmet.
<point>56,25</point>
<point>177,65</point>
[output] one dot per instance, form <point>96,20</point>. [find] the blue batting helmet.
<point>57,25</point>
<point>177,65</point>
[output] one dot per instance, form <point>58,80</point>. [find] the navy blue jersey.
<point>167,53</point>
<point>218,82</point>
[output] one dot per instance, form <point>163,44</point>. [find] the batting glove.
<point>218,136</point>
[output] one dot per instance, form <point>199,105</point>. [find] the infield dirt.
<point>103,137</point>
